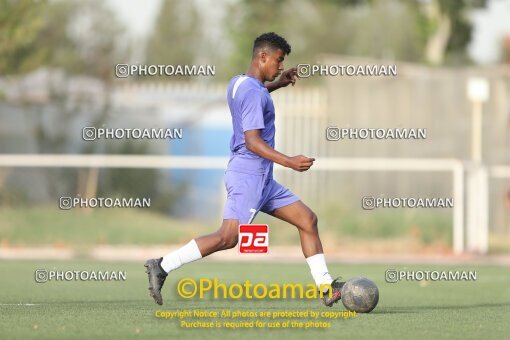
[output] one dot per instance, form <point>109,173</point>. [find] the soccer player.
<point>249,177</point>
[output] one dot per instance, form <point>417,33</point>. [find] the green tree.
<point>20,24</point>
<point>445,27</point>
<point>432,31</point>
<point>78,37</point>
<point>176,36</point>
<point>74,37</point>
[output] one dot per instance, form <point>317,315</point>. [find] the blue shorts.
<point>247,194</point>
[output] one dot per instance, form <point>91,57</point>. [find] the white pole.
<point>477,199</point>
<point>483,231</point>
<point>476,133</point>
<point>473,203</point>
<point>458,208</point>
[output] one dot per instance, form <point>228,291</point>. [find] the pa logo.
<point>253,238</point>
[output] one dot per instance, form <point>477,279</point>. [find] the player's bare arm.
<point>256,144</point>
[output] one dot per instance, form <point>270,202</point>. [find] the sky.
<point>491,24</point>
<point>138,15</point>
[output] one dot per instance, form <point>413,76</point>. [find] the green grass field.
<point>123,309</point>
<point>47,225</point>
<point>43,225</point>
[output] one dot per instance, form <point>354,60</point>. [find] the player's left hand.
<point>289,76</point>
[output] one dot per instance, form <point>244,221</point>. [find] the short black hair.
<point>271,40</point>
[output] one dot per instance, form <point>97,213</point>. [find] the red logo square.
<point>253,238</point>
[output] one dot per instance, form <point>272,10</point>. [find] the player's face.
<point>274,64</point>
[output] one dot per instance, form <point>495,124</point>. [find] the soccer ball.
<point>360,294</point>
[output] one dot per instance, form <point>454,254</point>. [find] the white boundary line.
<point>19,304</point>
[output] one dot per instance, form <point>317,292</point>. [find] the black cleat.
<point>336,293</point>
<point>157,277</point>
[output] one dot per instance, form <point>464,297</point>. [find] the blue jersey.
<point>251,108</point>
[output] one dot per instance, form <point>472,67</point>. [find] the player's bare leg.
<point>301,216</point>
<point>158,269</point>
<point>224,238</point>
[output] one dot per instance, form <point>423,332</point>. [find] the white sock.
<point>319,269</point>
<point>186,254</point>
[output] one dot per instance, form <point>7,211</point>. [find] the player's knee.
<point>228,241</point>
<point>231,242</point>
<point>314,220</point>
<point>310,223</point>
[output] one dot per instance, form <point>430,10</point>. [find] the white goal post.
<point>455,167</point>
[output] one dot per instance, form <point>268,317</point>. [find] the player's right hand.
<point>300,163</point>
